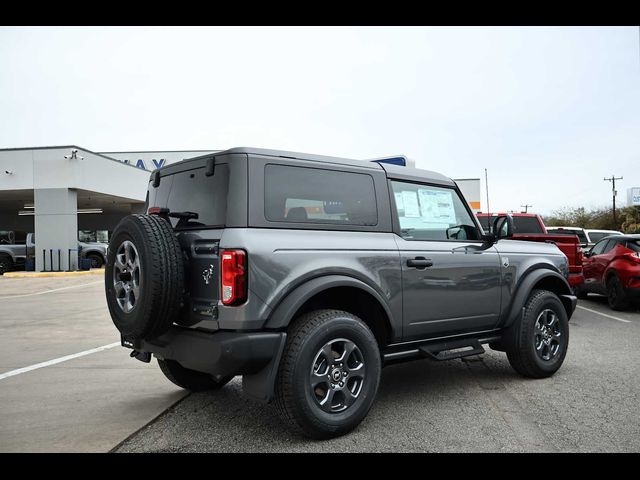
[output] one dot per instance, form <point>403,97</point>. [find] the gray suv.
<point>307,274</point>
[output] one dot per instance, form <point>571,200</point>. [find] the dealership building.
<point>57,192</point>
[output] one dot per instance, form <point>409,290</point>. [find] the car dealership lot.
<point>97,400</point>
<point>83,404</point>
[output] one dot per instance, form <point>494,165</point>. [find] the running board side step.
<point>452,349</point>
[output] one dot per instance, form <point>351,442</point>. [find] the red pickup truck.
<point>530,227</point>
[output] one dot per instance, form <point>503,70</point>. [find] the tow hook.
<point>142,356</point>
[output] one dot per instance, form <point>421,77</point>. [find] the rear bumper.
<point>218,353</point>
<point>633,292</point>
<point>576,279</point>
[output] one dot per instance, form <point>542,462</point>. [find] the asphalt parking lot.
<point>102,400</point>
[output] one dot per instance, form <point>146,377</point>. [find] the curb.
<point>95,271</point>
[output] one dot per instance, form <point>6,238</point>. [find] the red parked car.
<point>612,268</point>
<point>530,227</point>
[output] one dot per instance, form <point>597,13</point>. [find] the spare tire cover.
<point>144,276</point>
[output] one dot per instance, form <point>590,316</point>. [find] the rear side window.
<point>633,245</point>
<point>193,191</point>
<point>312,195</point>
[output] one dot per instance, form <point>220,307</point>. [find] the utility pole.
<point>526,208</point>
<point>486,182</point>
<point>613,190</point>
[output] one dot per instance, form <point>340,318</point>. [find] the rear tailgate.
<point>197,208</point>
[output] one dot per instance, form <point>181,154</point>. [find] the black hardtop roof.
<point>393,171</point>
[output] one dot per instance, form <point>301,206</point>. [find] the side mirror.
<point>503,227</point>
<point>462,232</point>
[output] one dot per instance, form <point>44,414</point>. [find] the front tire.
<point>329,374</point>
<point>616,295</point>
<point>190,379</point>
<point>536,345</point>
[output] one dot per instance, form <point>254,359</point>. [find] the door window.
<point>432,213</point>
<point>598,248</point>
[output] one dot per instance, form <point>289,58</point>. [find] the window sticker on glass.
<point>399,202</point>
<point>411,206</point>
<point>437,206</point>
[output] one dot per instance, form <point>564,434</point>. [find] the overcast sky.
<point>549,111</point>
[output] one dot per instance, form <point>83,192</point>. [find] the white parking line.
<point>605,315</point>
<point>52,290</point>
<point>48,363</point>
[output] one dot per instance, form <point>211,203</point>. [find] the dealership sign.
<point>153,160</point>
<point>633,196</point>
<point>156,163</point>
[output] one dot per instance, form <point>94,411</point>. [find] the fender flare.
<point>283,313</point>
<point>527,284</point>
<point>260,386</point>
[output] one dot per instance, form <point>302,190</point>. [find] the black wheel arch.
<point>539,279</point>
<point>330,291</point>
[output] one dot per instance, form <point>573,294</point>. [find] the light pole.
<point>526,208</point>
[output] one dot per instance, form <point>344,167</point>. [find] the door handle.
<point>419,262</point>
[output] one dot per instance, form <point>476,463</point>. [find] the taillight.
<point>234,277</point>
<point>157,211</point>
<point>633,256</point>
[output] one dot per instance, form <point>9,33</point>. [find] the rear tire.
<point>536,344</point>
<point>329,374</point>
<point>96,260</point>
<point>616,295</point>
<point>190,379</point>
<point>6,264</point>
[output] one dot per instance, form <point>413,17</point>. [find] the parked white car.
<point>595,236</point>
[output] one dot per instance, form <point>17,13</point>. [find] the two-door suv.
<point>307,274</point>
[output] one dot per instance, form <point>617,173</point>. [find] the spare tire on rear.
<point>144,276</point>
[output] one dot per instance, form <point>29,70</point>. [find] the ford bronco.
<point>307,274</point>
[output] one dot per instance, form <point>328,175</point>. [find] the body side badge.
<point>207,274</point>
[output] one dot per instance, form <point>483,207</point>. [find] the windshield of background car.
<point>561,231</point>
<point>597,236</point>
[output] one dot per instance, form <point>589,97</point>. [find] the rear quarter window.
<point>318,196</point>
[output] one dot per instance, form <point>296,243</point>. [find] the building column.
<point>56,228</point>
